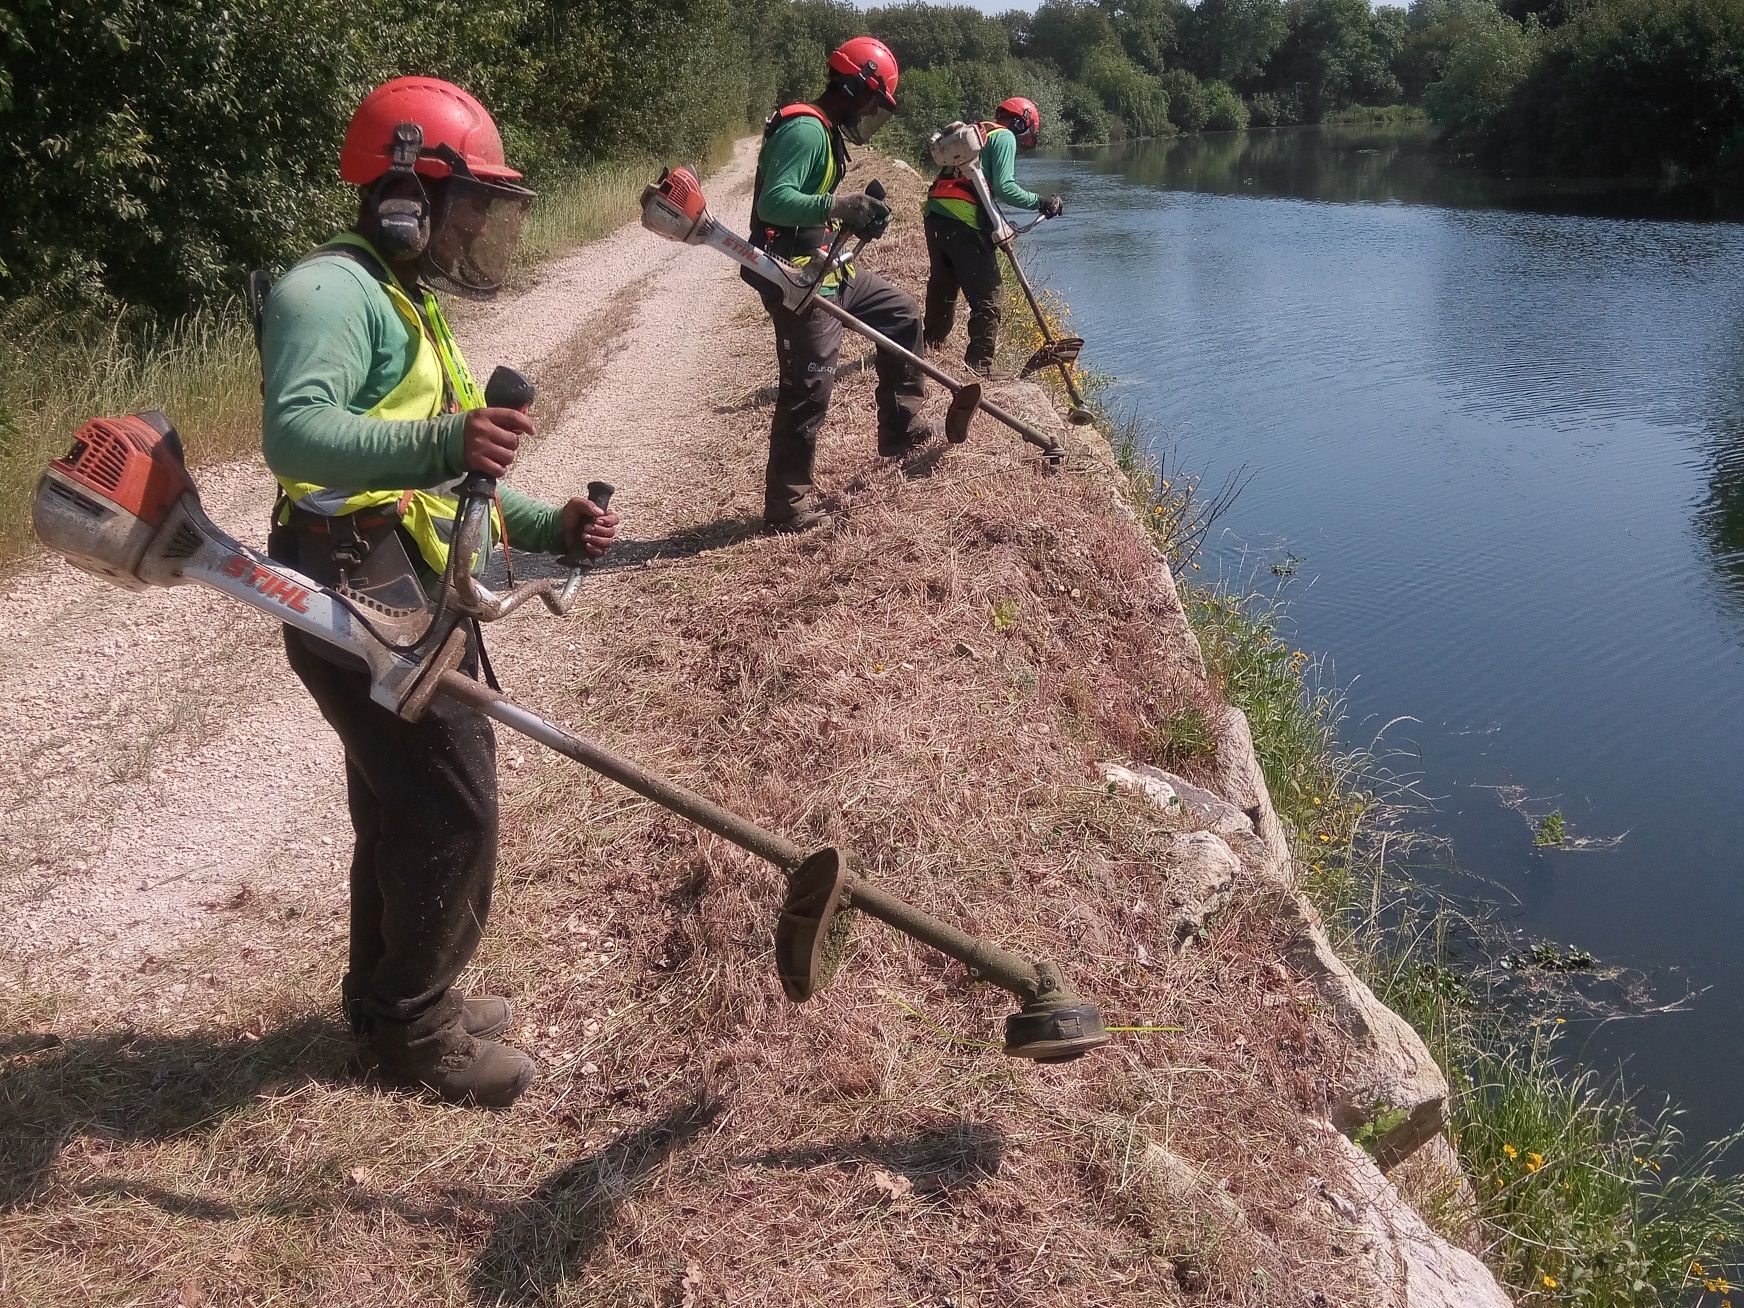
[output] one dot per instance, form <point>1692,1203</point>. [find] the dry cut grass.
<point>930,686</point>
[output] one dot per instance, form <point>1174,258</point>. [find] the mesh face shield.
<point>866,126</point>
<point>476,229</point>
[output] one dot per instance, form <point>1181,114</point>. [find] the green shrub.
<point>1189,105</point>
<point>1483,70</point>
<point>1136,99</point>
<point>1224,110</point>
<point>1087,119</point>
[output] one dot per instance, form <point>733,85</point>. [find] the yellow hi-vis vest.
<point>437,378</point>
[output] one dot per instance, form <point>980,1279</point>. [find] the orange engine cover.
<point>131,463</point>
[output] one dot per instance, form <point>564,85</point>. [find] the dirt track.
<point>165,764</point>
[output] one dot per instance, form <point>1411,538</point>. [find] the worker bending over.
<point>794,213</point>
<point>959,235</point>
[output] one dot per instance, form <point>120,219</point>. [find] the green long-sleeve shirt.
<point>332,346</point>
<point>795,164</point>
<point>999,166</point>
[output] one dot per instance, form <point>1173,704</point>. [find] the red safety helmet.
<point>1021,115</point>
<point>869,60</point>
<point>447,116</point>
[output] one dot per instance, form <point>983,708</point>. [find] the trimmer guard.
<point>814,894</point>
<point>1062,353</point>
<point>962,412</point>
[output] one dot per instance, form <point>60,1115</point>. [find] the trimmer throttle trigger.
<point>508,389</point>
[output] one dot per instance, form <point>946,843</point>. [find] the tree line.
<point>153,150</point>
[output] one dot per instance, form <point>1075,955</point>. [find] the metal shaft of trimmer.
<point>1026,430</point>
<point>1000,966</point>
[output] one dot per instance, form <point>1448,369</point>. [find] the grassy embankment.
<point>203,370</point>
<point>1577,1197</point>
<point>933,686</point>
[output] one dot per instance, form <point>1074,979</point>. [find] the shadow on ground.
<point>554,1233</point>
<point>126,1086</point>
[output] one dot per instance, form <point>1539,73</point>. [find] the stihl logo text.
<point>267,582</point>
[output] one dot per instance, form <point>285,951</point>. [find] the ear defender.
<point>402,221</point>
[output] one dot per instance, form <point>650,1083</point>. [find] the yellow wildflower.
<point>1534,1162</point>
<point>1325,839</point>
<point>1550,1282</point>
<point>1317,801</point>
<point>1510,1151</point>
<point>1696,1269</point>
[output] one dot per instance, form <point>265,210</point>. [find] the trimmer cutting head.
<point>1051,1031</point>
<point>1062,353</point>
<point>962,412</point>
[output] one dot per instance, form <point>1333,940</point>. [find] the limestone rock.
<point>1428,1271</point>
<point>1390,1071</point>
<point>1240,778</point>
<point>1199,808</point>
<point>1202,875</point>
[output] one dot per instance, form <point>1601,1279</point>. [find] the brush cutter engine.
<point>957,145</point>
<point>121,505</point>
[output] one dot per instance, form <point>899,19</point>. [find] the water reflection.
<point>1720,519</point>
<point>1380,165</point>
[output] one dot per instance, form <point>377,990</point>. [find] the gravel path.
<point>164,763</point>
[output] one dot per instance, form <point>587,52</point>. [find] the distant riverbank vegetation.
<point>1599,88</point>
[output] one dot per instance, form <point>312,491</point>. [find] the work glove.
<point>1053,207</point>
<point>861,214</point>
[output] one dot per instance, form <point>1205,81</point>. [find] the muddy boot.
<point>786,515</point>
<point>449,1064</point>
<point>483,1016</point>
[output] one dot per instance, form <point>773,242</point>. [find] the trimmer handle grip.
<point>508,389</point>
<point>600,494</point>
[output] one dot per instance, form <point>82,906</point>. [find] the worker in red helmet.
<point>794,212</point>
<point>959,235</point>
<point>370,420</point>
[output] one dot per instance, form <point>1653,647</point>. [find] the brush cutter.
<point>122,505</point>
<point>675,207</point>
<point>959,146</point>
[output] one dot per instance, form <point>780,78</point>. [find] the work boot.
<point>466,1071</point>
<point>893,445</point>
<point>804,520</point>
<point>483,1016</point>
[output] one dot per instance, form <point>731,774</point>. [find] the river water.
<point>1497,430</point>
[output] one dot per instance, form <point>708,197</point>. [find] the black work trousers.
<point>423,800</point>
<point>807,347</point>
<point>963,258</point>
